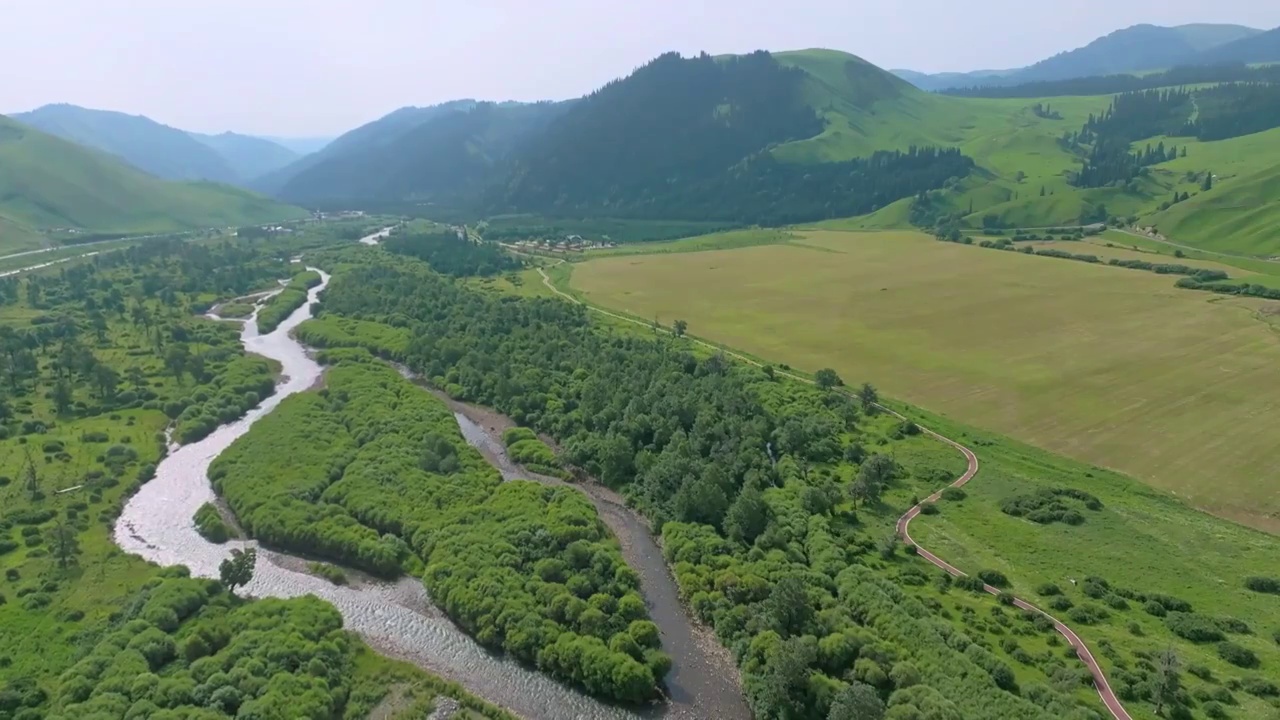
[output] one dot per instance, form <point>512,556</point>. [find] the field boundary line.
<point>1105,693</point>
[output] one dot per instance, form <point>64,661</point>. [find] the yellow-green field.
<point>1110,366</point>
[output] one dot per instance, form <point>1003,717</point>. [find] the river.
<point>397,618</point>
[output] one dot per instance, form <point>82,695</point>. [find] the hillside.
<point>1260,48</point>
<point>368,139</point>
<point>1133,49</point>
<point>165,152</point>
<point>47,182</point>
<point>703,139</point>
<point>248,157</point>
<point>451,154</point>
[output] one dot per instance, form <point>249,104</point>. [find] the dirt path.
<point>1109,699</point>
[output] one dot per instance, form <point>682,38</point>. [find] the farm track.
<point>1105,693</point>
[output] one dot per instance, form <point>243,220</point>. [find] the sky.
<point>302,68</point>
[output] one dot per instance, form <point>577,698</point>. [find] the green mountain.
<point>697,138</point>
<point>1134,49</point>
<point>47,182</point>
<point>1260,48</point>
<point>353,145</point>
<point>160,150</point>
<point>452,154</point>
<point>248,157</point>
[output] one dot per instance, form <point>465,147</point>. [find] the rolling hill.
<point>47,182</point>
<point>165,152</point>
<point>1133,49</point>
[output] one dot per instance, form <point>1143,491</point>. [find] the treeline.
<point>1228,111</point>
<point>760,190</point>
<point>1203,278</point>
<point>1131,117</point>
<point>451,255</point>
<point>280,306</point>
<point>1112,84</point>
<point>372,472</point>
<point>751,480</point>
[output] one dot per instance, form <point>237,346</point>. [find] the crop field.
<point>1113,367</point>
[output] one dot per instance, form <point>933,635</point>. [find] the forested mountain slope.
<point>157,149</point>
<point>451,154</point>
<point>684,138</point>
<point>368,138</point>
<point>47,182</point>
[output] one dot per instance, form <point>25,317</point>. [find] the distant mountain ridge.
<point>47,182</point>
<point>1134,49</point>
<point>163,151</point>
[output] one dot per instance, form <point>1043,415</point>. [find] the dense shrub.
<point>209,524</point>
<point>1051,505</point>
<point>994,578</point>
<point>1263,585</point>
<point>1237,654</point>
<point>1193,627</point>
<point>281,305</point>
<point>953,494</point>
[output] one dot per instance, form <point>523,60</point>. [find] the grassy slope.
<point>1110,366</point>
<point>868,110</point>
<point>47,182</point>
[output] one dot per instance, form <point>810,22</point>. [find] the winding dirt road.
<point>1108,696</point>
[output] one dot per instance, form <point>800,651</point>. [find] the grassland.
<point>1019,157</point>
<point>1108,366</point>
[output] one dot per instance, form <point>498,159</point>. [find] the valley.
<point>768,385</point>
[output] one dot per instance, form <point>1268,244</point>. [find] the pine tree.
<point>1207,185</point>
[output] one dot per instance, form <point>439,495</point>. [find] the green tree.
<point>63,395</point>
<point>107,380</point>
<point>175,361</point>
<point>826,378</point>
<point>857,701</point>
<point>63,542</point>
<point>237,570</point>
<point>888,545</point>
<point>869,397</point>
<point>789,605</point>
<point>747,516</point>
<point>30,479</point>
<point>679,327</point>
<point>701,500</point>
<point>1207,185</point>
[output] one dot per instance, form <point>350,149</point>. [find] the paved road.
<point>1109,699</point>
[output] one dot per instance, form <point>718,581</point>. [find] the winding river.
<point>398,618</point>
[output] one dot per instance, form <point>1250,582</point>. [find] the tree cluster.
<point>372,472</point>
<point>451,255</point>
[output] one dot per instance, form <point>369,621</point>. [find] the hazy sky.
<point>319,67</point>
